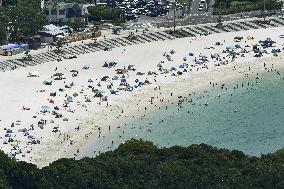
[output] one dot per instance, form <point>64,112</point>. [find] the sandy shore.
<point>23,97</point>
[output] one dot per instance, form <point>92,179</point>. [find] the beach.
<point>27,104</point>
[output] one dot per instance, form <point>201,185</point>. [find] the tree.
<point>4,20</point>
<point>26,18</point>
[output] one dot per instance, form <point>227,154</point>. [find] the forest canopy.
<point>140,164</point>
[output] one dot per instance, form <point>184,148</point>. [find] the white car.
<point>201,7</point>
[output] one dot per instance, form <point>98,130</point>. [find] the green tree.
<point>26,18</point>
<point>4,20</point>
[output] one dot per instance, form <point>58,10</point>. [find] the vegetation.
<point>236,6</point>
<point>98,13</point>
<point>140,164</point>
<point>21,19</point>
<point>4,20</point>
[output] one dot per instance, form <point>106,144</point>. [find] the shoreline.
<point>213,75</point>
<point>83,118</point>
<point>174,100</point>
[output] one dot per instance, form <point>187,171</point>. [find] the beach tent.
<point>104,98</point>
<point>9,131</point>
<point>69,99</point>
<point>113,92</point>
<point>198,62</point>
<point>11,47</point>
<point>97,91</point>
<point>139,73</point>
<point>75,94</point>
<point>105,65</point>
<point>105,78</point>
<point>159,65</point>
<point>47,82</point>
<point>45,107</point>
<point>231,47</point>
<point>86,67</point>
<point>181,66</point>
<point>123,80</point>
<point>214,55</point>
<point>238,38</point>
<point>115,78</point>
<point>110,63</point>
<point>173,69</point>
<point>58,74</point>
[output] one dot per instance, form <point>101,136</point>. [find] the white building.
<point>67,12</point>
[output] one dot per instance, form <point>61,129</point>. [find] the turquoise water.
<point>248,118</point>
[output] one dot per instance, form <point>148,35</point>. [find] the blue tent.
<point>10,47</point>
<point>231,47</point>
<point>181,66</point>
<point>198,62</point>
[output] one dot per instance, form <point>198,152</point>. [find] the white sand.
<point>18,90</point>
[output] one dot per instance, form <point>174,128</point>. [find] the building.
<point>62,13</point>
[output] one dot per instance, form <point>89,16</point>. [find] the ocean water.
<point>248,118</point>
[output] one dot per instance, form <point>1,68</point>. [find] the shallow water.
<point>248,118</point>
